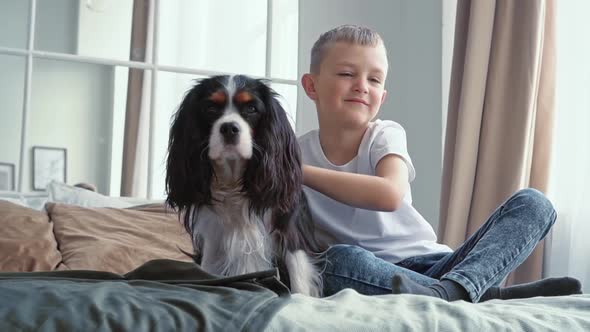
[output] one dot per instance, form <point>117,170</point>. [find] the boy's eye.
<point>375,80</point>
<point>345,74</point>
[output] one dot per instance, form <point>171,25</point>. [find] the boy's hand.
<point>382,192</point>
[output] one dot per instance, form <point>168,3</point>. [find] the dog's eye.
<point>250,109</point>
<point>211,109</point>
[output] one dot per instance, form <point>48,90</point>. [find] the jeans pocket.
<point>422,263</point>
<point>407,263</point>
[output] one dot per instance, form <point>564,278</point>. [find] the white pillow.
<point>35,201</point>
<point>13,200</point>
<point>31,200</point>
<point>136,201</point>
<point>63,193</point>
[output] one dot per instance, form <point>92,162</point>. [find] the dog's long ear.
<point>188,169</point>
<point>273,178</point>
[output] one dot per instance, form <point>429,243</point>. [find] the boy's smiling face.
<point>350,86</point>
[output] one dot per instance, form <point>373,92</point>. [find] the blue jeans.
<point>484,260</point>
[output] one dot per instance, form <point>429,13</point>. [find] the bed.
<point>73,260</point>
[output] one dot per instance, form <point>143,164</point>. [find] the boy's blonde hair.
<point>345,33</point>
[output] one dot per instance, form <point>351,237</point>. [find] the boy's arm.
<point>382,192</point>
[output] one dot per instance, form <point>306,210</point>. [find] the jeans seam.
<point>357,280</point>
<point>492,222</point>
<point>486,285</point>
<point>504,211</point>
<point>531,240</point>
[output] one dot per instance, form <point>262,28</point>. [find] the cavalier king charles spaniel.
<point>234,173</point>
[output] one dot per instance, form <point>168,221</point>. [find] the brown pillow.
<point>26,240</point>
<point>117,240</point>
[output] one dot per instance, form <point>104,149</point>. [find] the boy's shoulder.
<point>309,141</point>
<point>381,128</point>
<point>374,127</point>
<point>382,124</point>
<point>307,136</point>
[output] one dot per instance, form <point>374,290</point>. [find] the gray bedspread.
<point>350,311</point>
<point>161,295</point>
<point>166,295</point>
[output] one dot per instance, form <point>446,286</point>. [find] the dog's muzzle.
<point>230,131</point>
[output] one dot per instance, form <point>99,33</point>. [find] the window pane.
<point>11,94</point>
<point>285,39</point>
<point>14,15</point>
<point>218,35</point>
<point>90,28</point>
<point>170,92</point>
<point>72,108</point>
<point>288,100</point>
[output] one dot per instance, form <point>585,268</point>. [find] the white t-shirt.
<point>392,236</point>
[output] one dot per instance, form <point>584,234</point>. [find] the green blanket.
<point>161,295</point>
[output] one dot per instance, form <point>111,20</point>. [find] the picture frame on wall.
<point>49,164</point>
<point>7,177</point>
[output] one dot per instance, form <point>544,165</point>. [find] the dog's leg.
<point>304,275</point>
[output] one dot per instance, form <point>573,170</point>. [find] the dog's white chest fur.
<point>232,241</point>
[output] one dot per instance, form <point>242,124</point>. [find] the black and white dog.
<point>234,172</point>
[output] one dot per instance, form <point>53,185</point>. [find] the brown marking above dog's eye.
<point>243,97</point>
<point>218,97</point>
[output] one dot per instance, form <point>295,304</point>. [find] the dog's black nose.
<point>230,132</point>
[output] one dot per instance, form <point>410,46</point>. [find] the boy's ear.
<point>383,96</point>
<point>309,86</point>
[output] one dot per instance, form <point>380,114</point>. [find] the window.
<point>569,181</point>
<point>73,82</point>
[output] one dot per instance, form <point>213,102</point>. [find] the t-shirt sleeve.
<point>390,138</point>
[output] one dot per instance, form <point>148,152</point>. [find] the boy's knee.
<point>532,196</point>
<point>537,202</point>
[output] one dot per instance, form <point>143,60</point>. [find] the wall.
<point>67,108</point>
<point>13,34</point>
<point>71,111</point>
<point>412,33</point>
<point>56,25</point>
<point>105,32</point>
<point>15,24</point>
<point>11,94</point>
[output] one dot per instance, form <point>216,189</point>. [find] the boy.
<point>357,174</point>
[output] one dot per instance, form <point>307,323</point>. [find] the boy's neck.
<point>341,146</point>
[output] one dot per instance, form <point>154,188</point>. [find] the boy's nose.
<point>361,86</point>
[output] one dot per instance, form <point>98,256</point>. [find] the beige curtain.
<point>500,114</point>
<point>136,136</point>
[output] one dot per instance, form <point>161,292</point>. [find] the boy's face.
<point>350,86</point>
